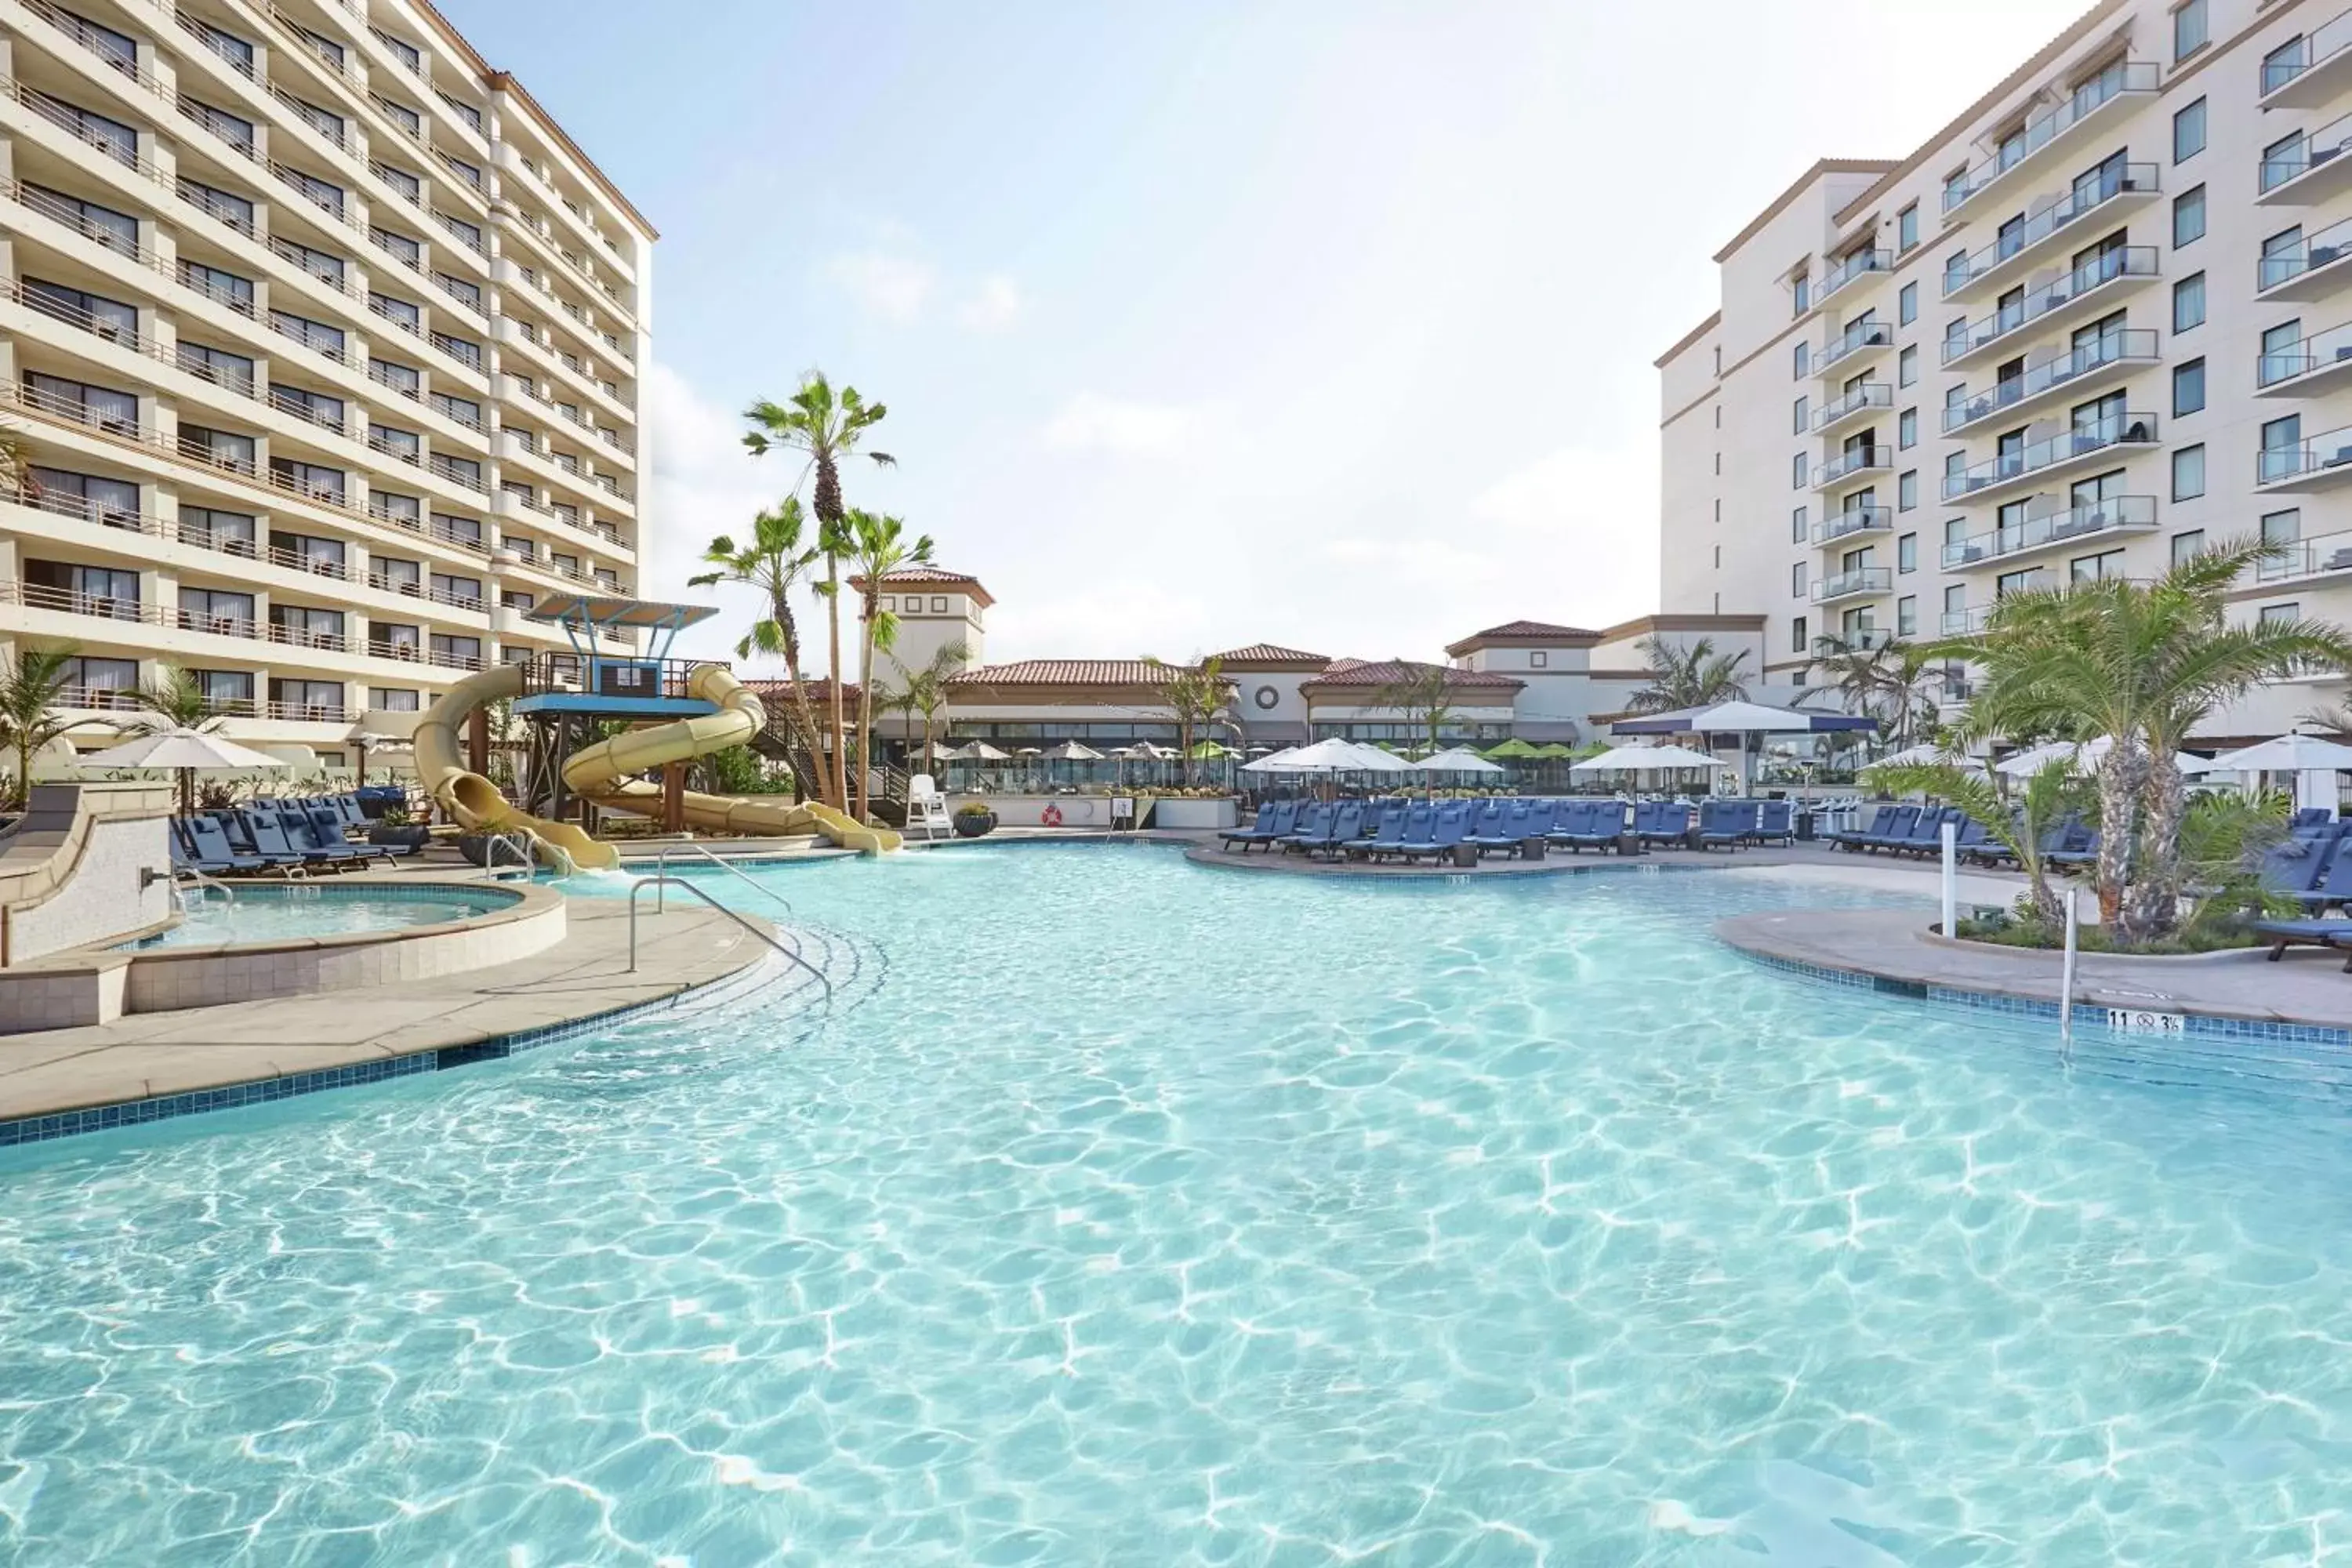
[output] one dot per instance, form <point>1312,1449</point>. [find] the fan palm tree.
<point>1695,676</point>
<point>1422,695</point>
<point>926,691</point>
<point>829,427</point>
<point>2050,793</point>
<point>879,546</point>
<point>177,701</point>
<point>1196,695</point>
<point>29,719</point>
<point>1893,683</point>
<point>775,561</point>
<point>2143,664</point>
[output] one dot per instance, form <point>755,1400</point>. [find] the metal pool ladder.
<point>663,879</point>
<point>661,872</point>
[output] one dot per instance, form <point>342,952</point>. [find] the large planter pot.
<point>973,823</point>
<point>408,835</point>
<point>476,848</point>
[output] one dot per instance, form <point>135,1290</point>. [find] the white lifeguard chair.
<point>927,808</point>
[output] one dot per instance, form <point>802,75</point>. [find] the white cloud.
<point>992,306</point>
<point>1091,422</point>
<point>894,287</point>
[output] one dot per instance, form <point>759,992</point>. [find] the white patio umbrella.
<point>184,752</point>
<point>981,752</point>
<point>2083,757</point>
<point>1926,754</point>
<point>1455,759</point>
<point>2313,761</point>
<point>1331,756</point>
<point>1271,763</point>
<point>1640,759</point>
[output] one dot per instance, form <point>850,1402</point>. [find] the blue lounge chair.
<point>1387,832</point>
<point>2312,816</point>
<point>1504,827</point>
<point>1314,821</point>
<point>2079,846</point>
<point>1670,822</point>
<point>211,852</point>
<point>1275,820</point>
<point>1340,828</point>
<point>1596,826</point>
<point>1859,836</point>
<point>1725,823</point>
<point>1776,823</point>
<point>262,850</point>
<point>1569,819</point>
<point>1927,834</point>
<point>2332,886</point>
<point>295,833</point>
<point>1447,827</point>
<point>2297,865</point>
<point>1543,815</point>
<point>347,806</point>
<point>1893,827</point>
<point>2309,932</point>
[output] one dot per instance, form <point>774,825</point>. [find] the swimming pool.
<point>1129,1212</point>
<point>277,913</point>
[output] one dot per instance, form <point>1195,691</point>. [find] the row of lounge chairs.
<point>1918,830</point>
<point>1416,830</point>
<point>281,838</point>
<point>2313,867</point>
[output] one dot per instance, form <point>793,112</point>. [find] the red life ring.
<point>1051,817</point>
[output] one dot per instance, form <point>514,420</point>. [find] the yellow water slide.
<point>475,801</point>
<point>599,773</point>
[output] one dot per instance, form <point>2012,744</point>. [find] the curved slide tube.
<point>599,773</point>
<point>474,800</point>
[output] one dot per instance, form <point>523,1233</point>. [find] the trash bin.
<point>1629,843</point>
<point>1532,848</point>
<point>1805,827</point>
<point>1465,855</point>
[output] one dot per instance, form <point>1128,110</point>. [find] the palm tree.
<point>176,701</point>
<point>828,426</point>
<point>2141,664</point>
<point>1893,683</point>
<point>879,546</point>
<point>926,691</point>
<point>1688,676</point>
<point>2049,792</point>
<point>1196,694</point>
<point>1422,695</point>
<point>28,715</point>
<point>774,561</point>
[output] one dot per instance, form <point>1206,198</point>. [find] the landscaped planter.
<point>406,835</point>
<point>973,823</point>
<point>476,848</point>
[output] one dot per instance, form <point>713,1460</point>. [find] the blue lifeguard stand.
<point>565,696</point>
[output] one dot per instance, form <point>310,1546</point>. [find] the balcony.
<point>1870,397</point>
<point>2099,440</point>
<point>2088,290</point>
<point>2106,359</point>
<point>2319,364</point>
<point>2117,514</point>
<point>1859,520</point>
<point>2111,95</point>
<point>1861,338</point>
<point>2310,71</point>
<point>2326,557</point>
<point>1964,623</point>
<point>67,601</point>
<point>2310,169</point>
<point>1859,583</point>
<point>2109,195</point>
<point>1853,270</point>
<point>1861,462</point>
<point>2322,463</point>
<point>1856,639</point>
<point>2313,268</point>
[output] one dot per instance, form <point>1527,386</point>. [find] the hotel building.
<point>2101,318</point>
<point>319,345</point>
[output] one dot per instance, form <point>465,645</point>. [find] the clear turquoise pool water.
<point>274,914</point>
<point>1126,1212</point>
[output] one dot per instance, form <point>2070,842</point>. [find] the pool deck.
<point>146,1055</point>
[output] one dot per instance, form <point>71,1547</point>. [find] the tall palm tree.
<point>1196,694</point>
<point>1422,695</point>
<point>879,546</point>
<point>2141,664</point>
<point>828,426</point>
<point>176,701</point>
<point>775,561</point>
<point>29,719</point>
<point>1893,683</point>
<point>1695,676</point>
<point>926,691</point>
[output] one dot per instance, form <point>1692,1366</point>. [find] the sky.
<point>1327,323</point>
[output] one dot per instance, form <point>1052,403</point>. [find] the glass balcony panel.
<point>2124,76</point>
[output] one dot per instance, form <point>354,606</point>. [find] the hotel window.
<point>2187,387</point>
<point>2189,132</point>
<point>1796,471</point>
<point>2188,218</point>
<point>1906,428</point>
<point>1906,615</point>
<point>1906,490</point>
<point>221,288</point>
<point>939,605</point>
<point>1906,553</point>
<point>391,699</point>
<point>2281,450</point>
<point>1797,526</point>
<point>2189,472</point>
<point>1906,304</point>
<point>2189,303</point>
<point>1906,367</point>
<point>1539,659</point>
<point>1801,354</point>
<point>1907,230</point>
<point>2191,29</point>
<point>1796,580</point>
<point>2186,547</point>
<point>403,248</point>
<point>230,533</point>
<point>2104,566</point>
<point>1800,413</point>
<point>2282,527</point>
<point>112,137</point>
<point>2279,615</point>
<point>1797,635</point>
<point>1801,292</point>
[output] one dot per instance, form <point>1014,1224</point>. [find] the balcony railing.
<point>466,475</point>
<point>2121,347</point>
<point>2326,348</point>
<point>1860,580</point>
<point>96,40</point>
<point>2291,61</point>
<point>2330,451</point>
<point>1964,623</point>
<point>2131,179</point>
<point>1852,639</point>
<point>2310,150</point>
<point>218,46</point>
<point>308,565</point>
<point>2126,261</point>
<point>1869,394</point>
<point>216,626</point>
<point>2055,528</point>
<point>1845,465</point>
<point>2093,437</point>
<point>60,503</point>
<point>68,601</point>
<point>309,713</point>
<point>303,637</point>
<point>1853,341</point>
<point>2312,557</point>
<point>1855,520</point>
<point>1861,264</point>
<point>2124,76</point>
<point>50,207</point>
<point>2330,244</point>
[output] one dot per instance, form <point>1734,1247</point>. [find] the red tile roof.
<point>1063,672</point>
<point>1263,653</point>
<point>1521,634</point>
<point>1352,672</point>
<point>940,575</point>
<point>1534,630</point>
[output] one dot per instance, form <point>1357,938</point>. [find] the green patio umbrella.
<point>1511,751</point>
<point>1209,750</point>
<point>1549,751</point>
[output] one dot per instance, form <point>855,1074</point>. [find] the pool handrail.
<point>661,868</point>
<point>639,884</point>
